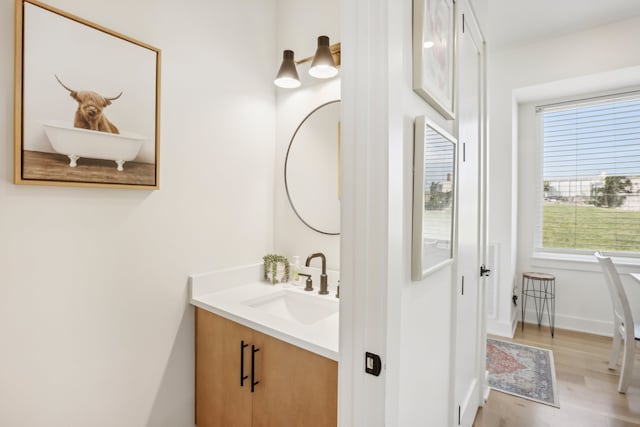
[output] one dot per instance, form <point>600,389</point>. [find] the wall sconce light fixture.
<point>287,76</point>
<point>323,64</point>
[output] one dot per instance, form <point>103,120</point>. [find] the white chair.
<point>621,319</point>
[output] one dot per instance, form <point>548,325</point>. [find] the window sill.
<point>581,262</point>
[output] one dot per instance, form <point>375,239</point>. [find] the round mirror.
<point>311,169</point>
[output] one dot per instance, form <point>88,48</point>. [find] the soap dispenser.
<point>295,270</point>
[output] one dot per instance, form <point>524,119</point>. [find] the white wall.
<point>408,323</point>
<point>299,25</point>
<point>425,325</point>
<point>423,314</point>
<point>594,60</point>
<point>292,236</point>
<point>95,325</point>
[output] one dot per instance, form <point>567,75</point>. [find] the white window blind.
<point>590,198</point>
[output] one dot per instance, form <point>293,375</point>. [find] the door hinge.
<point>484,272</point>
<point>459,414</point>
<point>464,152</point>
<point>463,22</point>
<point>462,285</point>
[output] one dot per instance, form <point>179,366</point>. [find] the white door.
<point>469,337</point>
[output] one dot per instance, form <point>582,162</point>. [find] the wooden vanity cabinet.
<point>294,386</point>
<point>220,401</point>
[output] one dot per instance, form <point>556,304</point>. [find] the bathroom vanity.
<point>266,355</point>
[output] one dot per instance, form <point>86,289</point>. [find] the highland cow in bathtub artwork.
<point>89,114</point>
<point>87,103</point>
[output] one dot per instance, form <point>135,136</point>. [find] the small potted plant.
<point>276,268</point>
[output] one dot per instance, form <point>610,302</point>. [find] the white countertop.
<point>225,293</point>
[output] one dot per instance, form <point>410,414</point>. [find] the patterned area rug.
<point>523,371</point>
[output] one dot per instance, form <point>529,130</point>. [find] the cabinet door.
<point>220,401</point>
<point>297,388</point>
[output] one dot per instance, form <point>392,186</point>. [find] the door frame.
<point>470,22</point>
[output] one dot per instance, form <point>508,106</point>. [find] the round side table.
<point>542,288</point>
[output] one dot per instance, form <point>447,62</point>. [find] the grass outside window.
<point>571,226</point>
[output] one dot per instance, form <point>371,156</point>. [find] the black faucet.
<point>323,277</point>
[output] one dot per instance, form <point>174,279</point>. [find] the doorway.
<point>470,334</point>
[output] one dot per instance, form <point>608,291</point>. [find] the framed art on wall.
<point>433,53</point>
<point>86,103</point>
<point>434,199</point>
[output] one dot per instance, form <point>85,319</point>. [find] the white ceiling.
<point>518,22</point>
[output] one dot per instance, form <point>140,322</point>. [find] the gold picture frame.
<point>86,103</point>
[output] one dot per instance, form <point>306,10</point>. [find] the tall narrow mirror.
<point>433,198</point>
<point>311,169</point>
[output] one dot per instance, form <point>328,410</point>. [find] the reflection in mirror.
<point>433,198</point>
<point>311,169</point>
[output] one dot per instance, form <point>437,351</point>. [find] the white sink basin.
<point>297,306</point>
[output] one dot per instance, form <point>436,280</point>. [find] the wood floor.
<point>587,388</point>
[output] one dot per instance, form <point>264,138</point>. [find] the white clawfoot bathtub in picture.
<point>77,143</point>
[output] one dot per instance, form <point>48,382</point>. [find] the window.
<point>591,175</point>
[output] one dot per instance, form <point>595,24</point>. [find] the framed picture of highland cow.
<point>87,103</point>
<point>434,53</point>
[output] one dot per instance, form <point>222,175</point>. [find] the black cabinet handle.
<point>242,375</point>
<point>254,383</point>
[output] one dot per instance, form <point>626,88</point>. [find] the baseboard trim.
<point>500,328</point>
<point>572,323</point>
<point>487,389</point>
